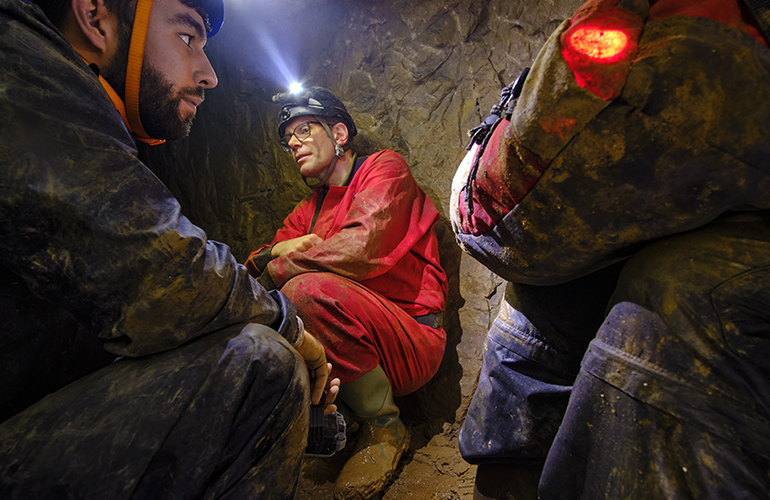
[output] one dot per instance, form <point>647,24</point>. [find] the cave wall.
<point>415,75</point>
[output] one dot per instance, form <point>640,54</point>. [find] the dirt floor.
<point>432,469</point>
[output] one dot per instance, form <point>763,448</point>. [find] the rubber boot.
<point>383,437</point>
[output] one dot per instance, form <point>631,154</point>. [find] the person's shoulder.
<point>16,7</point>
<point>32,18</point>
<point>387,159</point>
<point>387,154</point>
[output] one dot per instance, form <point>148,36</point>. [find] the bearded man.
<point>139,360</point>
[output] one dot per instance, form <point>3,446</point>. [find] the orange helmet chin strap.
<point>134,71</point>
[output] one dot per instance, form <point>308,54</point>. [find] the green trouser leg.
<point>383,438</point>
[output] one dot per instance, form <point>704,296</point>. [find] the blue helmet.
<point>215,9</point>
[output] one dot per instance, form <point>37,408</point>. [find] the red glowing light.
<point>599,43</point>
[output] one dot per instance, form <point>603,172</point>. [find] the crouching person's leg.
<point>378,351</point>
<point>672,400</point>
<point>225,416</point>
<point>531,357</point>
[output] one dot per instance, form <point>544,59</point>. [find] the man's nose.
<point>294,142</point>
<point>205,75</point>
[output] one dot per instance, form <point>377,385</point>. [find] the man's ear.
<point>340,132</point>
<point>97,24</point>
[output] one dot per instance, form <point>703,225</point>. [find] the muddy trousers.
<point>225,416</point>
<point>672,399</point>
<point>360,329</point>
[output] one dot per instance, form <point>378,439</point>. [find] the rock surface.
<point>415,76</point>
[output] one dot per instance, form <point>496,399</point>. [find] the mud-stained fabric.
<point>670,182</point>
<point>673,398</point>
<point>360,329</point>
<point>97,262</point>
<point>87,228</point>
<point>531,358</point>
<point>683,144</point>
<point>378,232</point>
<point>735,13</point>
<point>188,425</point>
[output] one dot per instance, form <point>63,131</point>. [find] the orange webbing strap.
<point>115,99</point>
<point>122,110</point>
<point>134,71</point>
<point>118,103</point>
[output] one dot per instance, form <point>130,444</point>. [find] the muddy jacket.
<point>92,244</point>
<point>377,231</point>
<point>603,155</point>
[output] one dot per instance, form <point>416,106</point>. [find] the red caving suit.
<point>377,269</point>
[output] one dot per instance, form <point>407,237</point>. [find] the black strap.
<point>356,165</point>
<point>325,189</point>
<point>433,320</point>
<point>481,134</point>
<point>761,11</point>
<point>318,202</point>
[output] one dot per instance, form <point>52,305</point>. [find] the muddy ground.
<point>432,469</point>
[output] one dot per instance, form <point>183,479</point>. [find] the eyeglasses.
<point>301,132</point>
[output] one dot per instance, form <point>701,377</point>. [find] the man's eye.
<point>304,130</point>
<point>186,38</point>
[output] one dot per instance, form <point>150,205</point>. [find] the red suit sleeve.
<point>294,226</point>
<point>380,218</point>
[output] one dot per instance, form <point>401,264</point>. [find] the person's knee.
<point>313,292</point>
<point>676,274</point>
<point>304,284</point>
<point>275,362</point>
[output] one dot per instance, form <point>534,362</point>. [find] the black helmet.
<point>313,101</point>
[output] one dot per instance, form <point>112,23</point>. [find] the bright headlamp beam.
<point>271,49</point>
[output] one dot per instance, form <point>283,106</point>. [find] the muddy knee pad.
<point>638,430</point>
<point>678,374</point>
<point>272,425</point>
<point>259,402</point>
<point>708,290</point>
<point>312,293</point>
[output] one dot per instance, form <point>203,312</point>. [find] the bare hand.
<point>315,358</point>
<point>300,244</point>
<point>331,395</point>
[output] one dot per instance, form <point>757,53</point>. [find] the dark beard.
<point>158,106</point>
